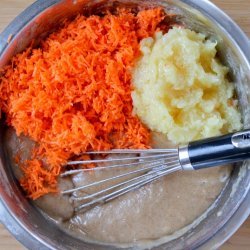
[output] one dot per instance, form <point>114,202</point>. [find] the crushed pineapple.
<point>181,89</point>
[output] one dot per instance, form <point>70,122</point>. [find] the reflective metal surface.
<point>184,159</point>
<point>26,222</point>
<point>241,139</point>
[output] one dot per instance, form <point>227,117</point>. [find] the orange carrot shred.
<point>73,94</point>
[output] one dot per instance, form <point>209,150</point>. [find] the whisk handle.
<point>216,151</point>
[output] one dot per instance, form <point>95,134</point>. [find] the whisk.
<point>145,166</point>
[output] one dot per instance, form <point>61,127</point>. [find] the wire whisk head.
<point>118,172</point>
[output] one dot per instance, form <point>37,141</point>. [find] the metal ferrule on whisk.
<point>184,158</point>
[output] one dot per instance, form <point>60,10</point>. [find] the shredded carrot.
<point>73,94</point>
<point>38,180</point>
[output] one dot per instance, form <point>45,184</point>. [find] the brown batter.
<point>154,211</point>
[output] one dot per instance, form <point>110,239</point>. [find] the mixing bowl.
<point>231,208</point>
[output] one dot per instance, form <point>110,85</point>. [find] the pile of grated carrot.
<point>73,93</point>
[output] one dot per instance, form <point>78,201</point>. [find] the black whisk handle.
<point>216,151</point>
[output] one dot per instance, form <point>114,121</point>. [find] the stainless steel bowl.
<point>28,224</point>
